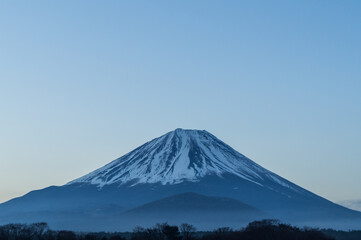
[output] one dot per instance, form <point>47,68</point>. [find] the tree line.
<point>257,230</point>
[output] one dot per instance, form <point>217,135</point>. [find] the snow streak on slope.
<point>181,155</point>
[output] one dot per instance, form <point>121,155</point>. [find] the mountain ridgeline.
<point>179,156</point>
<point>182,176</point>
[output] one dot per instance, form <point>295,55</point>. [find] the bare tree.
<point>187,231</point>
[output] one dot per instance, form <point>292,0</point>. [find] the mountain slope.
<point>192,202</point>
<point>200,210</point>
<point>178,162</point>
<point>178,156</point>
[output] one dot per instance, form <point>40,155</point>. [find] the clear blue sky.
<point>84,82</point>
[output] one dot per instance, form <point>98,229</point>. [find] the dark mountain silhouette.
<point>193,202</point>
<point>196,209</point>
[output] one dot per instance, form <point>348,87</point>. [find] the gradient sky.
<point>84,82</point>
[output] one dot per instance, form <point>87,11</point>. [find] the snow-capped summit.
<point>177,156</point>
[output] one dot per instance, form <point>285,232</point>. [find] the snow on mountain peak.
<point>177,156</point>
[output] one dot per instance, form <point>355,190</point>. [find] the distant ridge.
<point>193,202</point>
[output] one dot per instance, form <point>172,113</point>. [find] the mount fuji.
<point>182,176</point>
<point>179,156</point>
